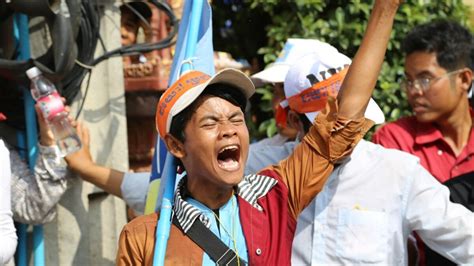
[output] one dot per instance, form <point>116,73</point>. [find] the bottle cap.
<point>33,72</point>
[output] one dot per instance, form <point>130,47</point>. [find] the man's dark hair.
<point>221,90</point>
<point>306,123</point>
<point>140,7</point>
<point>452,43</point>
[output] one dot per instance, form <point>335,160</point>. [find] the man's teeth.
<point>232,147</point>
<point>229,165</point>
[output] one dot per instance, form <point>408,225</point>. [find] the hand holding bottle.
<point>52,109</point>
<point>82,159</point>
<point>45,132</point>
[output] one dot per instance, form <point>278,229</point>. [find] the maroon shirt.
<point>426,142</point>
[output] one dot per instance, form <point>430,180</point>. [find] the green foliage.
<point>342,24</point>
<point>266,127</point>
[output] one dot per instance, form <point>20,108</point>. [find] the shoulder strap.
<point>462,190</point>
<point>211,244</point>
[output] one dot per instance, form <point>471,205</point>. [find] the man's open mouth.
<point>228,157</point>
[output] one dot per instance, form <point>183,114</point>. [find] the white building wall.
<point>89,221</point>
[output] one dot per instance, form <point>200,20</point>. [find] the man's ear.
<point>174,146</point>
<point>294,121</point>
<point>466,79</point>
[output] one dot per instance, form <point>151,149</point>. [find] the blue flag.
<point>203,57</point>
<point>193,35</point>
<point>194,51</point>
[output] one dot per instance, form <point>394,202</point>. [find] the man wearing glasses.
<point>438,79</point>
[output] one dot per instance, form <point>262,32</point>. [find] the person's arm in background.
<point>36,193</point>
<point>361,78</point>
<point>8,238</point>
<point>81,162</point>
<point>132,187</point>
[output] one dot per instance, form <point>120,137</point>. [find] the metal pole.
<point>31,132</point>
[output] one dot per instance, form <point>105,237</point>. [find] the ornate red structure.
<point>152,74</point>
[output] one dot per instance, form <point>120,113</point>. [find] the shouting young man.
<point>202,121</point>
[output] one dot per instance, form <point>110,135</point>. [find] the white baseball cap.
<point>293,51</point>
<point>312,79</point>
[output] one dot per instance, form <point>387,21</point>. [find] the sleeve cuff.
<point>134,190</point>
<point>335,137</point>
<point>49,151</point>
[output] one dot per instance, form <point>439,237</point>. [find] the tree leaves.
<point>342,24</point>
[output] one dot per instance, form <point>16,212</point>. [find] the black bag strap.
<point>462,190</point>
<point>211,244</point>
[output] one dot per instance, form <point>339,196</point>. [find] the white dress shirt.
<point>8,239</point>
<point>262,155</point>
<point>369,206</point>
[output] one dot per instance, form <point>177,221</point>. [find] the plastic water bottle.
<point>52,108</point>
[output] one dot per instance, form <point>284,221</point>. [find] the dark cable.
<point>131,8</point>
<point>86,43</point>
<point>146,47</point>
<point>85,95</point>
<point>87,40</point>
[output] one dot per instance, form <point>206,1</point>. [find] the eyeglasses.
<point>423,84</point>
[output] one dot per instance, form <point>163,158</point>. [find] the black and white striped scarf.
<point>250,189</point>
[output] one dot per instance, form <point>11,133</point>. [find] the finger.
<point>86,136</point>
<point>67,108</point>
<point>72,121</point>
<point>79,129</point>
<point>39,113</point>
<point>63,100</point>
<point>83,133</point>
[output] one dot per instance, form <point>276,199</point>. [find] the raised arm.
<point>36,193</point>
<point>81,162</point>
<point>362,75</point>
<point>131,187</point>
<point>329,139</point>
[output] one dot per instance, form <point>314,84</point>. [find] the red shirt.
<point>426,142</point>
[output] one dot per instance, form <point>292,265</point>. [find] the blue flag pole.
<point>164,224</point>
<point>22,34</point>
<point>189,38</point>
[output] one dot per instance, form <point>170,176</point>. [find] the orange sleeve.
<point>128,251</point>
<point>137,241</point>
<point>329,140</point>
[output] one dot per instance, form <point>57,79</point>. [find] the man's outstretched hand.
<point>81,159</point>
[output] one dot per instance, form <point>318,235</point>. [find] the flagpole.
<point>21,22</point>
<point>164,223</point>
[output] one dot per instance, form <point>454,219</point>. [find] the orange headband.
<point>171,96</point>
<point>315,97</point>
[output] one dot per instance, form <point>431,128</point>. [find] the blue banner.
<point>194,51</point>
